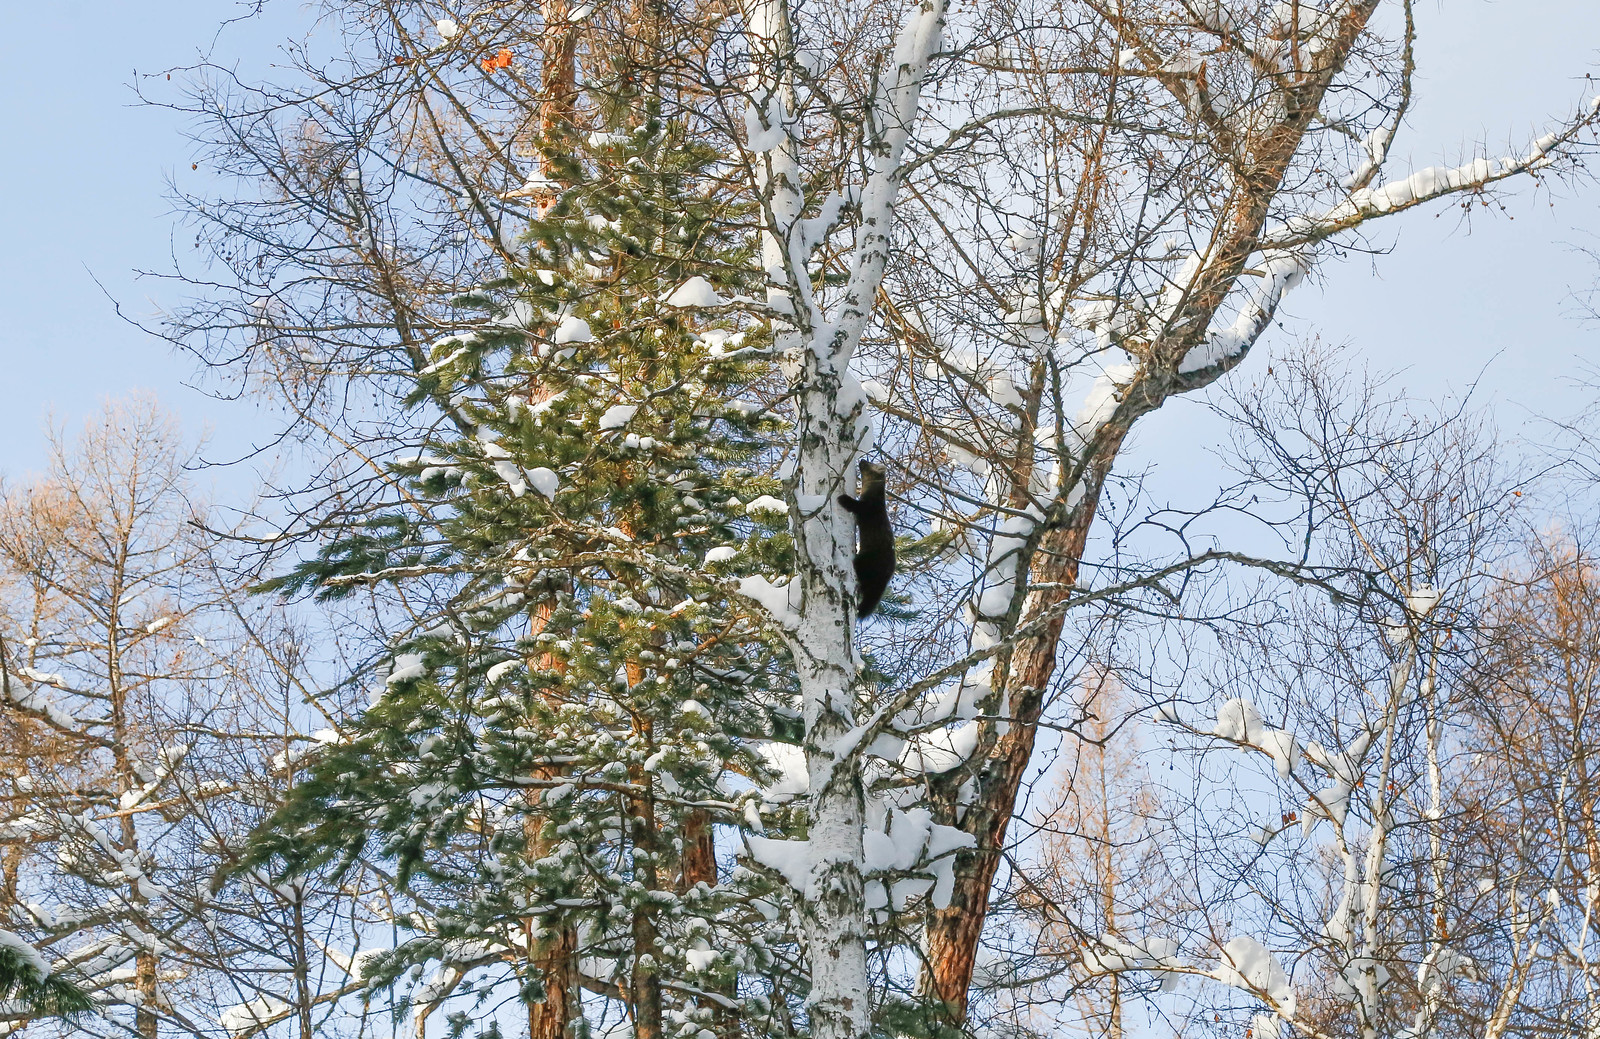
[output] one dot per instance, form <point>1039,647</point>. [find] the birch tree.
<point>97,561</point>
<point>1518,898</point>
<point>1365,707</point>
<point>1211,156</point>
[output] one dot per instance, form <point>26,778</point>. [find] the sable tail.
<point>870,598</point>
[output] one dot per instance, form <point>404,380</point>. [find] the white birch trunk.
<point>830,432</point>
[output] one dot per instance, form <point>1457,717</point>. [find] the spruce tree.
<point>26,979</point>
<point>574,706</point>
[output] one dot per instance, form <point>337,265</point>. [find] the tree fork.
<point>953,934</point>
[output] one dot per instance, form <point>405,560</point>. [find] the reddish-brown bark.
<point>953,934</point>
<point>556,968</point>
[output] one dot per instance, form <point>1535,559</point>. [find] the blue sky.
<point>86,171</point>
<point>1447,302</point>
<point>84,183</point>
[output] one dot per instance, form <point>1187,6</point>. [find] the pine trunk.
<point>145,1021</point>
<point>555,961</point>
<point>554,965</point>
<point>646,981</point>
<point>951,945</point>
<point>699,866</point>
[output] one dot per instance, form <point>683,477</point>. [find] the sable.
<point>875,551</point>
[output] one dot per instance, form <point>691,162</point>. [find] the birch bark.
<point>831,436</point>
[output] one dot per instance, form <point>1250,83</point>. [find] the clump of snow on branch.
<point>618,416</point>
<point>790,859</point>
<point>249,1017</point>
<point>1155,956</point>
<point>36,701</point>
<point>766,505</point>
<point>1247,964</point>
<point>545,481</point>
<point>789,762</point>
<point>1239,721</point>
<point>696,292</point>
<point>31,958</point>
<point>780,600</point>
<point>1422,600</point>
<point>572,330</point>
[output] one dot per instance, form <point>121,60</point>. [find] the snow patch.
<point>406,667</point>
<point>768,504</point>
<point>30,956</point>
<point>933,753</point>
<point>618,415</point>
<point>500,670</point>
<point>1422,600</point>
<point>791,859</point>
<point>1285,752</point>
<point>696,292</point>
<point>545,481</point>
<point>572,330</point>
<point>1238,720</point>
<point>1247,964</point>
<point>782,601</point>
<point>792,780</point>
<point>764,138</point>
<point>246,1017</point>
<point>1157,956</point>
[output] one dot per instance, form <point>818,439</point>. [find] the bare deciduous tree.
<point>147,725</point>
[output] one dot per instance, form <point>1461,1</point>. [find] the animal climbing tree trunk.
<point>817,606</point>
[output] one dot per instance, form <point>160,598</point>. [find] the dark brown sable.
<point>875,554</point>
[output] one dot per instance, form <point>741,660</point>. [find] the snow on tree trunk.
<point>831,437</point>
<point>1240,119</point>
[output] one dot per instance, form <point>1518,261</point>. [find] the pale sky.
<point>84,177</point>
<point>1446,304</point>
<point>1446,301</point>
